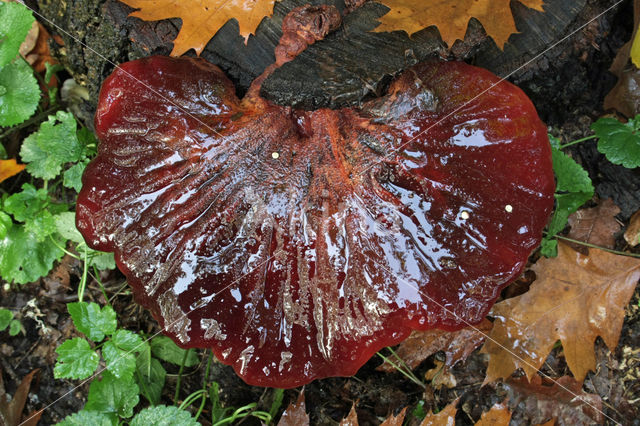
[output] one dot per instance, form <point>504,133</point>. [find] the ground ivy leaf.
<point>164,348</point>
<point>76,360</point>
<point>5,318</point>
<point>5,224</point>
<point>14,327</point>
<point>15,23</point>
<point>150,376</point>
<point>41,225</point>
<point>66,227</point>
<point>161,415</point>
<point>19,93</point>
<point>113,395</point>
<point>27,203</point>
<point>120,363</point>
<point>23,258</point>
<point>101,260</point>
<point>92,321</point>
<point>85,418</point>
<point>54,144</point>
<point>72,177</point>
<point>619,142</point>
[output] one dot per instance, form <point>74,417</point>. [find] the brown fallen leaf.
<point>201,19</point>
<point>395,420</point>
<point>9,168</point>
<point>596,225</point>
<point>564,402</point>
<point>499,415</point>
<point>632,234</point>
<point>352,417</point>
<point>445,417</point>
<point>11,408</point>
<point>440,376</point>
<point>457,345</point>
<point>574,299</point>
<point>295,414</point>
<point>452,17</point>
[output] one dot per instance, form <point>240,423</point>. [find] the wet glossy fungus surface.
<point>296,244</point>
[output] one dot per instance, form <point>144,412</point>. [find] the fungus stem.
<point>184,360</point>
<point>621,253</point>
<point>408,374</point>
<point>577,141</point>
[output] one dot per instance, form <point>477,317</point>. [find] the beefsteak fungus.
<point>296,244</point>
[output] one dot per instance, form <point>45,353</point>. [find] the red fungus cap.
<point>296,244</point>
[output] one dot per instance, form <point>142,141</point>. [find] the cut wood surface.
<point>350,65</point>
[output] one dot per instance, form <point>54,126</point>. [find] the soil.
<point>567,85</point>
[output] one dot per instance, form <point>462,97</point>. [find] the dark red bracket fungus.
<point>296,244</point>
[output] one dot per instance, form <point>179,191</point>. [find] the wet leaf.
<point>596,225</point>
<point>352,417</point>
<point>201,19</point>
<point>457,345</point>
<point>295,414</point>
<point>619,142</point>
<point>564,401</point>
<point>112,396</point>
<point>11,408</point>
<point>84,418</point>
<point>76,359</point>
<point>92,321</point>
<point>575,299</point>
<point>9,168</point>
<point>452,16</point>
<point>632,234</point>
<point>499,415</point>
<point>162,415</point>
<point>163,347</point>
<point>445,417</point>
<point>395,420</point>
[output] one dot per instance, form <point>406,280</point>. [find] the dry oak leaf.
<point>498,415</point>
<point>201,19</point>
<point>395,420</point>
<point>445,417</point>
<point>575,298</point>
<point>632,234</point>
<point>457,345</point>
<point>452,16</point>
<point>596,225</point>
<point>352,418</point>
<point>9,168</point>
<point>295,414</point>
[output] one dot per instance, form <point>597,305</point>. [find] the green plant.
<point>619,142</point>
<point>7,320</point>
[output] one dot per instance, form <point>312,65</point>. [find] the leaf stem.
<point>408,375</point>
<point>621,253</point>
<point>83,281</point>
<point>35,119</point>
<point>177,393</point>
<point>204,385</point>
<point>577,141</point>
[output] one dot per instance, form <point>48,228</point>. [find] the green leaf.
<point>163,347</point>
<point>19,93</point>
<point>23,258</point>
<point>41,225</point>
<point>66,227</point>
<point>101,260</point>
<point>27,203</point>
<point>5,318</point>
<point>92,321</point>
<point>161,415</point>
<point>113,395</point>
<point>76,360</point>
<point>549,247</point>
<point>14,327</point>
<point>619,142</point>
<point>121,364</point>
<point>54,144</point>
<point>15,23</point>
<point>88,418</point>
<point>72,177</point>
<point>127,341</point>
<point>150,376</point>
<point>88,141</point>
<point>5,224</point>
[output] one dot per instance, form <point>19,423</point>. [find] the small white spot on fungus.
<point>275,155</point>
<point>508,208</point>
<point>464,215</point>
